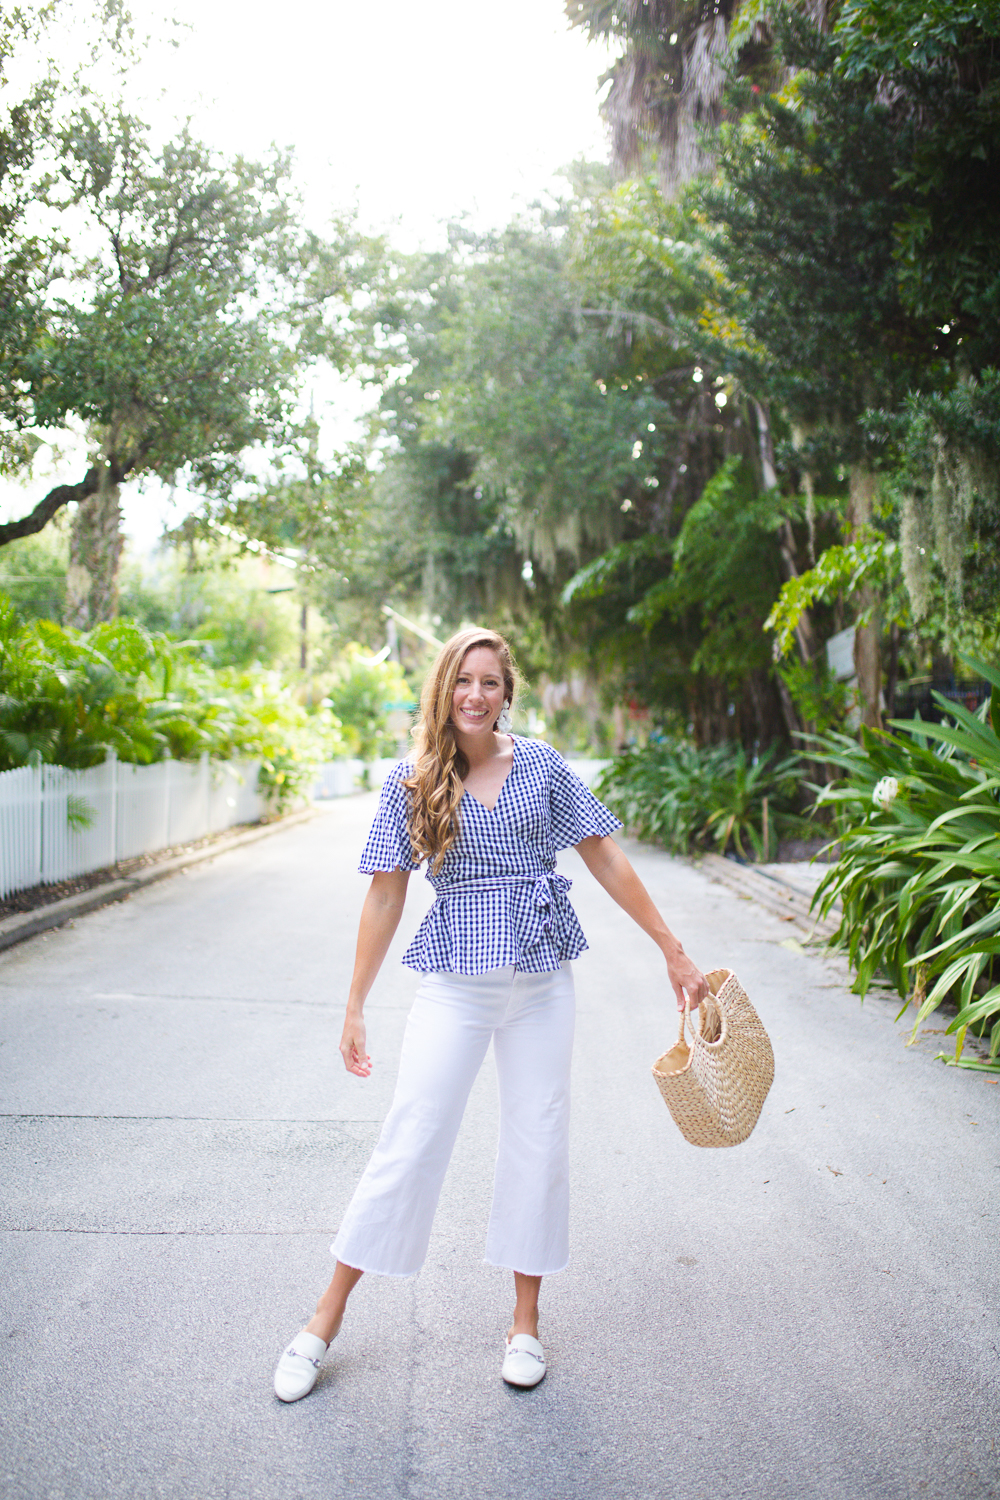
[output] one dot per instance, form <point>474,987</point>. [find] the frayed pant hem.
<point>503,1265</point>
<point>374,1270</point>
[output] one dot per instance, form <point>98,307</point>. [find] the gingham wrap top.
<point>498,898</point>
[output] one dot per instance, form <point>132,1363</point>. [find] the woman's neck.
<point>479,748</point>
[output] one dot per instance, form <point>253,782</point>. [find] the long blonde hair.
<point>439,767</point>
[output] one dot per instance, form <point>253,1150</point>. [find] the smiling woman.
<point>487,812</point>
<point>457,749</point>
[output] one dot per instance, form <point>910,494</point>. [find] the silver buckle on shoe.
<point>293,1353</point>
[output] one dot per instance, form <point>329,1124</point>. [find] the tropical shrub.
<point>361,693</point>
<point>918,873</point>
<point>675,794</point>
<point>68,697</point>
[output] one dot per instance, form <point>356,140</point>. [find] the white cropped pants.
<point>529,1018</point>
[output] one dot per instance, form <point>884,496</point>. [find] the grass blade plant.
<point>674,794</point>
<point>918,873</point>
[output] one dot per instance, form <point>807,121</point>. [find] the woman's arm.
<point>610,867</point>
<point>379,919</point>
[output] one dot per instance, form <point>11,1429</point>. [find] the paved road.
<point>813,1314</point>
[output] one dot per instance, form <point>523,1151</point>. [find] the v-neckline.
<point>503,784</point>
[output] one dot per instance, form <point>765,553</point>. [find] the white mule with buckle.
<point>299,1366</point>
<point>524,1361</point>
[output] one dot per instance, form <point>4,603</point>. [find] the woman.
<point>486,811</point>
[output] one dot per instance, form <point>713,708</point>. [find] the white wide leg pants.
<point>529,1018</point>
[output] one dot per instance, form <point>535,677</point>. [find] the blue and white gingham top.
<point>498,900</point>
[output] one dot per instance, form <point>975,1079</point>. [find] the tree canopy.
<point>169,307</point>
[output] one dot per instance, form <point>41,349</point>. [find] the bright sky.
<point>418,111</point>
<point>415,112</point>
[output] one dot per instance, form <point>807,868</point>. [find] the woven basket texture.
<point>715,1088</point>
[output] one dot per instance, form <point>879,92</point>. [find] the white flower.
<point>885,793</point>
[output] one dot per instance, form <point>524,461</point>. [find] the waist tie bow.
<point>548,900</point>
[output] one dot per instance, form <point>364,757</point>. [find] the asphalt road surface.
<point>812,1314</point>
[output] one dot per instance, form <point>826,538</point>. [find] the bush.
<point>33,572</point>
<point>918,873</point>
<point>683,797</point>
<point>239,623</point>
<point>360,693</point>
<point>68,697</point>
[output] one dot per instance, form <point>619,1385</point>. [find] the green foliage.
<point>594,580</point>
<point>68,697</point>
<point>725,572</point>
<point>699,600</point>
<point>28,114</point>
<point>919,880</point>
<point>238,623</point>
<point>674,794</point>
<point>805,204</point>
<point>165,346</point>
<point>819,698</point>
<point>170,301</point>
<point>33,574</point>
<point>869,558</point>
<point>939,66</point>
<point>524,391</point>
<point>906,36</point>
<point>361,694</point>
<point>948,482</point>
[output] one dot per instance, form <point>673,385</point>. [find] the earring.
<point>505,723</point>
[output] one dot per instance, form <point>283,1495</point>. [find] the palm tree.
<point>666,87</point>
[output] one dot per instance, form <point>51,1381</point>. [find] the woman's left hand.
<point>684,975</point>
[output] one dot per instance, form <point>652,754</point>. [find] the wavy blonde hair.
<point>435,784</point>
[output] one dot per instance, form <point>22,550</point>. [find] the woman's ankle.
<point>324,1325</point>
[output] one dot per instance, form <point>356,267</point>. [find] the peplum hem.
<point>475,926</point>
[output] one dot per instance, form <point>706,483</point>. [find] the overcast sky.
<point>419,111</point>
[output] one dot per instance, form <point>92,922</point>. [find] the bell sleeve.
<point>388,846</point>
<point>576,812</point>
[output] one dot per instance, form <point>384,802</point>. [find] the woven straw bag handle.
<point>686,1016</point>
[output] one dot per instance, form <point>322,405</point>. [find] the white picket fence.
<point>56,823</point>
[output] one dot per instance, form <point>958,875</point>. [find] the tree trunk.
<point>95,551</point>
<point>804,633</point>
<point>893,674</point>
<point>867,637</point>
<point>792,722</point>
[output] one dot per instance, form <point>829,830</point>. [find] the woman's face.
<point>479,692</point>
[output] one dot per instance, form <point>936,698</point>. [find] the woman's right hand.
<point>352,1047</point>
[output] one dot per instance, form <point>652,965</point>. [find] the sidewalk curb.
<point>769,891</point>
<point>27,924</point>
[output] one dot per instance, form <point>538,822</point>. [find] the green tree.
<point>181,341</point>
<point>938,64</point>
<point>811,319</point>
<point>28,118</point>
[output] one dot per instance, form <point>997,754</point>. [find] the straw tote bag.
<point>715,1088</point>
